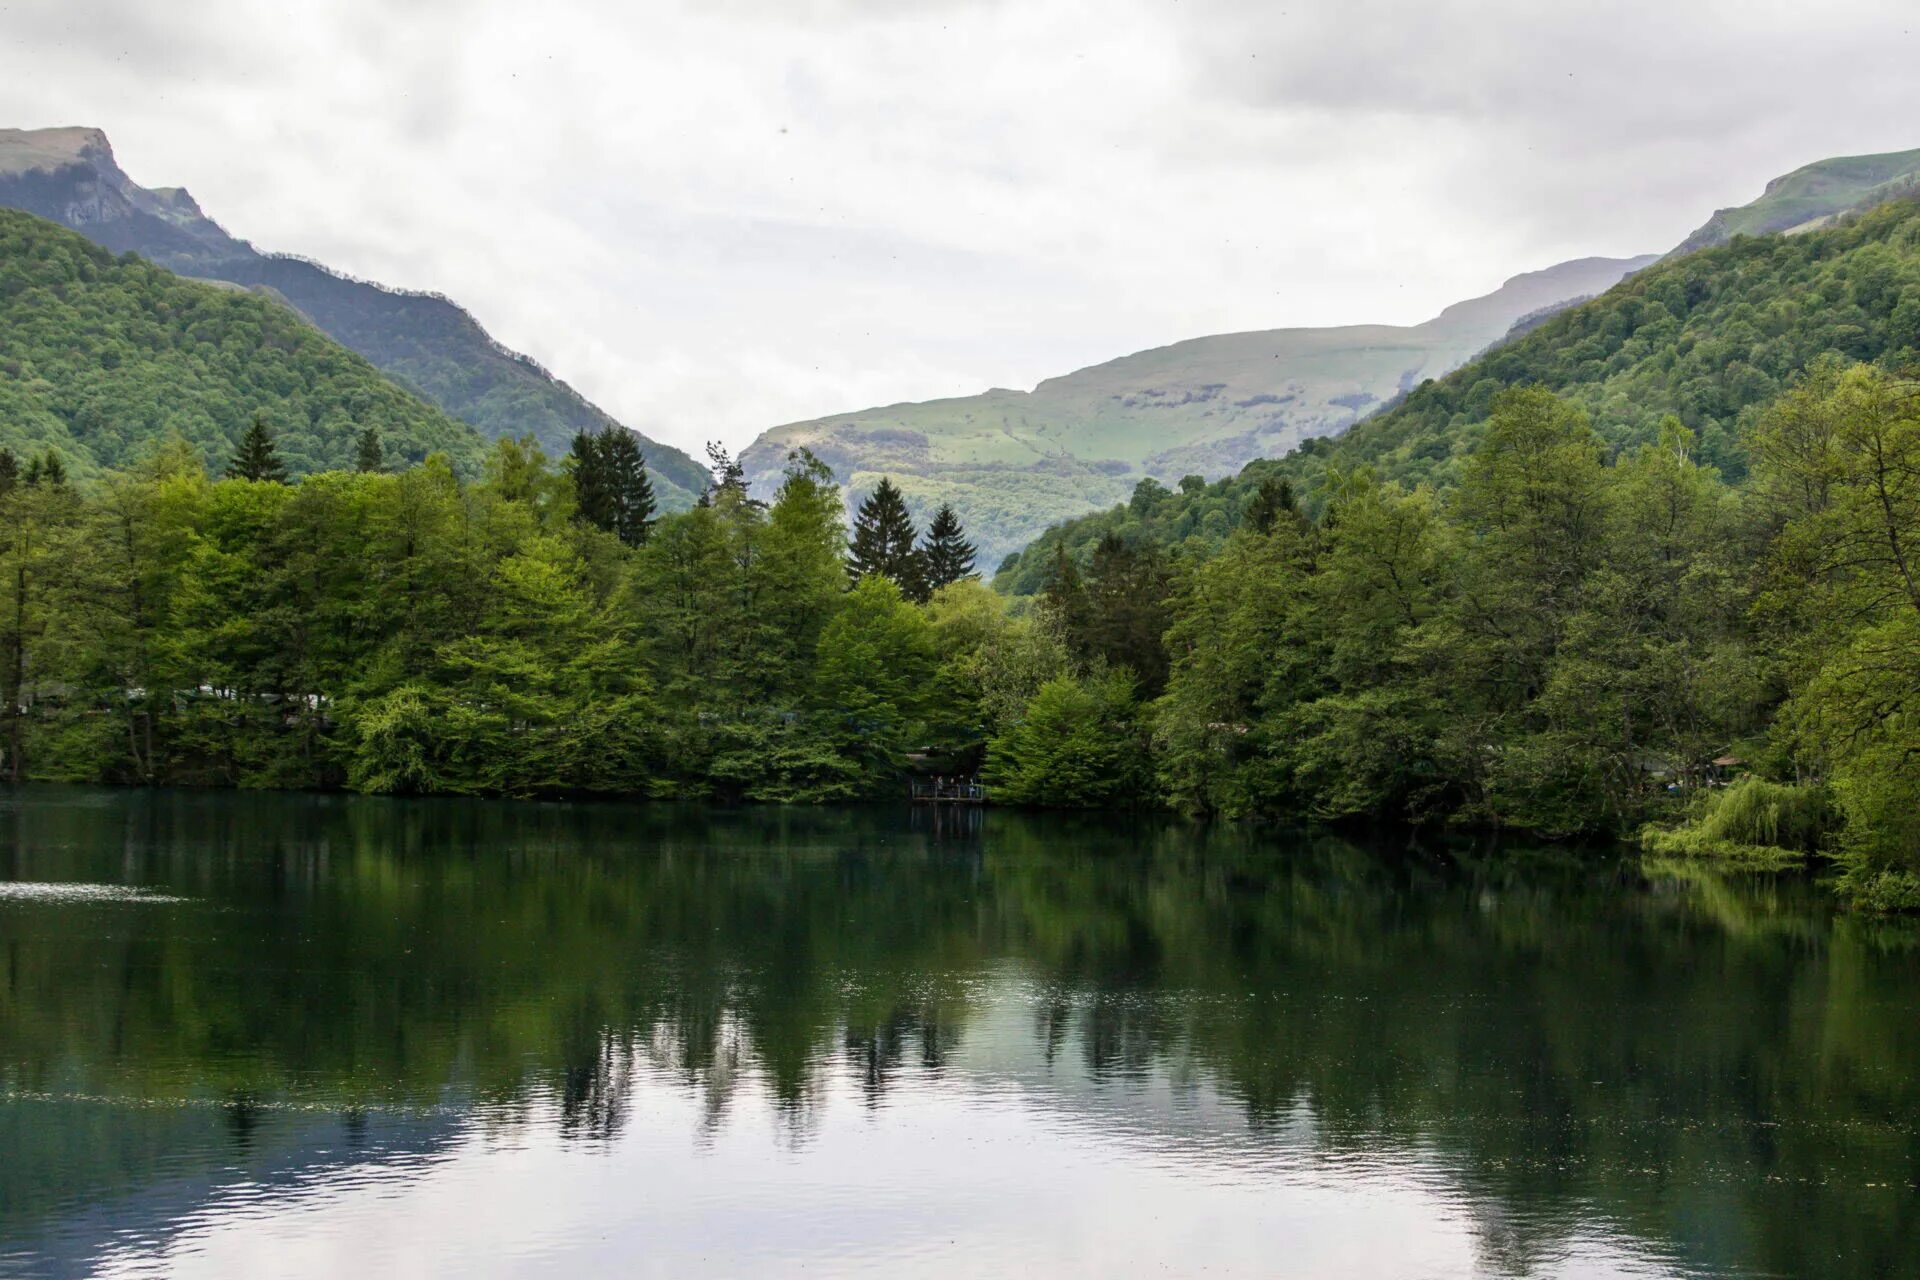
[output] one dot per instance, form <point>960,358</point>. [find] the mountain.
<point>1812,196</point>
<point>1708,337</point>
<point>1013,462</point>
<point>423,340</point>
<point>100,357</point>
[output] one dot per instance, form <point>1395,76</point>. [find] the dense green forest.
<point>1711,338</point>
<point>1565,642</point>
<point>1648,569</point>
<point>104,355</point>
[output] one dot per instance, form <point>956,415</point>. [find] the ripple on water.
<point>53,891</point>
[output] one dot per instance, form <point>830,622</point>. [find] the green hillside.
<point>102,357</point>
<point>1013,462</point>
<point>1812,196</point>
<point>1709,337</point>
<point>425,341</point>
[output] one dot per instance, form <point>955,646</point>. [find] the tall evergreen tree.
<point>946,553</point>
<point>369,456</point>
<point>49,468</point>
<point>9,471</point>
<point>256,459</point>
<point>883,537</point>
<point>628,486</point>
<point>592,485</point>
<point>729,477</point>
<point>1271,502</point>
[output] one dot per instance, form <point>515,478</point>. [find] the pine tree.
<point>729,477</point>
<point>946,554</point>
<point>49,469</point>
<point>1273,500</point>
<point>255,459</point>
<point>370,456</point>
<point>592,486</point>
<point>883,538</point>
<point>628,486</point>
<point>9,472</point>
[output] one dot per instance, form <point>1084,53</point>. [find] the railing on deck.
<point>948,791</point>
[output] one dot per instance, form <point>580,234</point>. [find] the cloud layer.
<point>714,217</point>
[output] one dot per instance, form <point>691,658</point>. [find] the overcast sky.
<point>719,215</point>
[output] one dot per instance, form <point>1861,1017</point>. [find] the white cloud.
<point>715,217</point>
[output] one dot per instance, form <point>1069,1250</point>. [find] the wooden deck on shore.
<point>948,793</point>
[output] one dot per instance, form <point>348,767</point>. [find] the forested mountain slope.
<point>426,341</point>
<point>103,357</point>
<point>1014,461</point>
<point>1708,337</point>
<point>1812,196</point>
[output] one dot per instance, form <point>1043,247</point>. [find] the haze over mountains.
<point>426,342</point>
<point>1014,462</point>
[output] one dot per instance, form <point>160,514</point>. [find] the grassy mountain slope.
<point>1013,461</point>
<point>102,357</point>
<point>426,341</point>
<point>1709,338</point>
<point>1811,196</point>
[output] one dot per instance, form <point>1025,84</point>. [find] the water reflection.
<point>554,1035</point>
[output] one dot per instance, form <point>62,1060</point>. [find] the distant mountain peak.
<point>1812,196</point>
<point>46,150</point>
<point>424,341</point>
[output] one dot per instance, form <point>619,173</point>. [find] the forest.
<point>1710,338</point>
<point>1567,641</point>
<point>104,356</point>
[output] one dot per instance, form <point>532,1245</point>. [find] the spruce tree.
<point>1273,500</point>
<point>628,486</point>
<point>592,486</point>
<point>255,459</point>
<point>9,472</point>
<point>946,554</point>
<point>883,538</point>
<point>370,456</point>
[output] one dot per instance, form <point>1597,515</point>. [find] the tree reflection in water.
<point>1719,1067</point>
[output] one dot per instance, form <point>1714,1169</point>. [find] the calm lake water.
<point>248,1036</point>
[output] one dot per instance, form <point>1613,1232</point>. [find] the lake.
<point>252,1035</point>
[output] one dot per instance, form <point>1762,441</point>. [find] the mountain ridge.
<point>1014,461</point>
<point>425,341</point>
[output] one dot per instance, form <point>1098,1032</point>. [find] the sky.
<point>716,216</point>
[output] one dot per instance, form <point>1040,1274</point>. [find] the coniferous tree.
<point>49,468</point>
<point>369,456</point>
<point>946,555</point>
<point>1273,500</point>
<point>592,485</point>
<point>883,537</point>
<point>9,472</point>
<point>256,459</point>
<point>729,477</point>
<point>628,486</point>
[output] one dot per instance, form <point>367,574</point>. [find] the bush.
<point>1753,822</point>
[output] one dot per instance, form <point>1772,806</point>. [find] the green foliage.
<point>105,359</point>
<point>946,554</point>
<point>255,458</point>
<point>1076,745</point>
<point>1753,823</point>
<point>1709,339</point>
<point>882,545</point>
<point>611,490</point>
